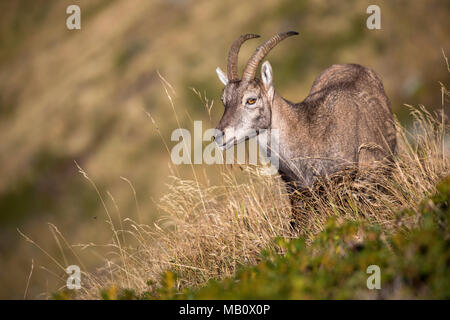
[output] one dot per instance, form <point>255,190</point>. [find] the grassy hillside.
<point>86,96</point>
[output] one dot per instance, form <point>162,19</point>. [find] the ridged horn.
<point>232,68</point>
<point>261,52</point>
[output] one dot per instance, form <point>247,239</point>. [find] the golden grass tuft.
<point>198,239</point>
<point>377,194</point>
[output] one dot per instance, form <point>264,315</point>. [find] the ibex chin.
<point>345,119</point>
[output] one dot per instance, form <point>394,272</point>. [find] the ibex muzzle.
<point>247,110</point>
<point>345,119</point>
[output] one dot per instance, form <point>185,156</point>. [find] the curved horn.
<point>232,68</point>
<point>260,53</point>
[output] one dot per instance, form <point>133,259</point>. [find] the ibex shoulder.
<point>345,119</point>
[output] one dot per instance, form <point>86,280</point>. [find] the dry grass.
<point>378,194</point>
<point>199,239</point>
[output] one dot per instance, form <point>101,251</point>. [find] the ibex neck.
<point>283,113</point>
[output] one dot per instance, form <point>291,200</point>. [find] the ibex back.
<point>346,118</point>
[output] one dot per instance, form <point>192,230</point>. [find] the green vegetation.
<point>413,265</point>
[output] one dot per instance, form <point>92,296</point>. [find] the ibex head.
<point>248,101</point>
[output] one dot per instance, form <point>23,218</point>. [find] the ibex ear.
<point>222,76</point>
<point>267,78</point>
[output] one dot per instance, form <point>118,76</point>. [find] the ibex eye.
<point>251,101</point>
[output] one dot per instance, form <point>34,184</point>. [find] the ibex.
<point>345,119</point>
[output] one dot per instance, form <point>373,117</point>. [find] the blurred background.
<point>82,95</point>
